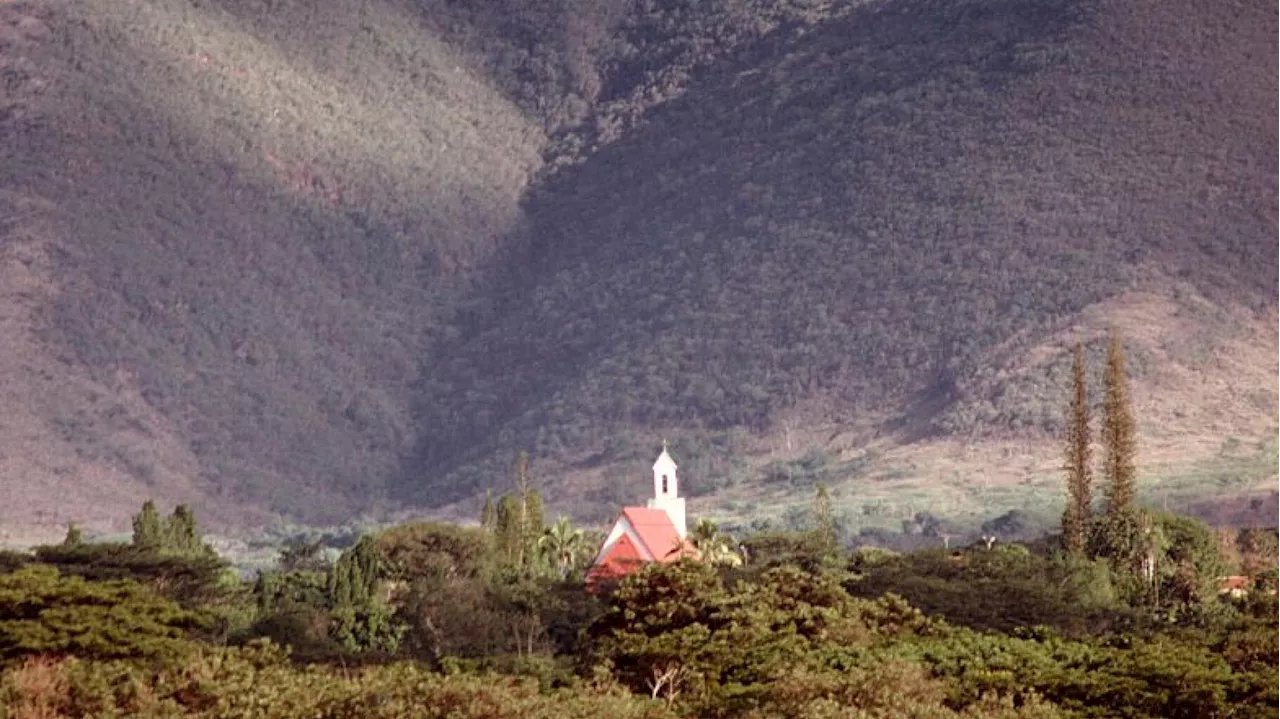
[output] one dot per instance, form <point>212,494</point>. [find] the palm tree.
<point>562,544</point>
<point>714,548</point>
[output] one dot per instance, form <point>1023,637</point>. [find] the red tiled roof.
<point>656,532</point>
<point>622,559</point>
<point>657,538</point>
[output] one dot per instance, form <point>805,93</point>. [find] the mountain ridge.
<point>319,261</point>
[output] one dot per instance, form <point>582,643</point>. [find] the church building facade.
<point>641,535</point>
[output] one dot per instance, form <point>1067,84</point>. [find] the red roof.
<point>622,559</point>
<point>657,537</point>
<point>1235,582</point>
<point>656,532</point>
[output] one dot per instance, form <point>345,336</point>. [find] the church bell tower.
<point>666,491</point>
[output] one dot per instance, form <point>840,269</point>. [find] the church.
<point>653,533</point>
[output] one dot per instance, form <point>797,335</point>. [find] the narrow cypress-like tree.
<point>182,535</point>
<point>824,519</point>
<point>74,536</point>
<point>148,528</point>
<point>1075,518</point>
<point>508,531</point>
<point>1118,433</point>
<point>488,514</point>
<point>354,578</point>
<point>522,497</point>
<point>534,523</point>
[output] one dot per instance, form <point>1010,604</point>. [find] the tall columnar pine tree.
<point>354,579</point>
<point>518,518</point>
<point>74,537</point>
<point>181,534</point>
<point>488,513</point>
<point>1079,467</point>
<point>148,528</point>
<point>1118,433</point>
<point>824,520</point>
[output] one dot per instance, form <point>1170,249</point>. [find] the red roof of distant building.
<point>622,559</point>
<point>655,536</point>
<point>1237,582</point>
<point>656,532</point>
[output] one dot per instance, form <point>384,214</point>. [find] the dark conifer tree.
<point>824,520</point>
<point>1079,510</point>
<point>148,528</point>
<point>181,534</point>
<point>1118,433</point>
<point>74,536</point>
<point>488,513</point>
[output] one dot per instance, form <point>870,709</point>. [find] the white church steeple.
<point>666,490</point>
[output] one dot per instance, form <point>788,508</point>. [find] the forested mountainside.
<point>327,258</point>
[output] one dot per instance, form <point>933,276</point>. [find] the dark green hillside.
<point>856,216</point>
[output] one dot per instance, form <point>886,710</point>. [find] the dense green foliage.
<point>45,612</point>
<point>435,620</point>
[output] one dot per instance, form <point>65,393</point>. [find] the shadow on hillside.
<point>673,277</point>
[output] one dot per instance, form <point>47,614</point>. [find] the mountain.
<point>891,221</point>
<point>319,259</point>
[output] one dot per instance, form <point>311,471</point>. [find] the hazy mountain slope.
<point>859,221</point>
<point>227,229</point>
<point>320,258</point>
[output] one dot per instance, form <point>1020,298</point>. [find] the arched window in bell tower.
<point>664,484</point>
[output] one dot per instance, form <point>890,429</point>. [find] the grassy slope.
<point>862,226</point>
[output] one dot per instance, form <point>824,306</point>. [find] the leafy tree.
<point>767,549</point>
<point>360,619</point>
<point>189,580</point>
<point>148,528</point>
<point>656,628</point>
<point>45,612</point>
<point>1010,525</point>
<point>434,551</point>
<point>1133,543</point>
<point>74,536</point>
<point>534,524</point>
<point>713,547</point>
<point>1192,561</point>
<point>564,545</point>
<point>293,609</point>
<point>1118,432</point>
<point>1079,462</point>
<point>1258,550</point>
<point>1001,590</point>
<point>370,627</point>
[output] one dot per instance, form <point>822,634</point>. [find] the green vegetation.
<point>436,620</point>
<point>1118,435</point>
<point>1079,462</point>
